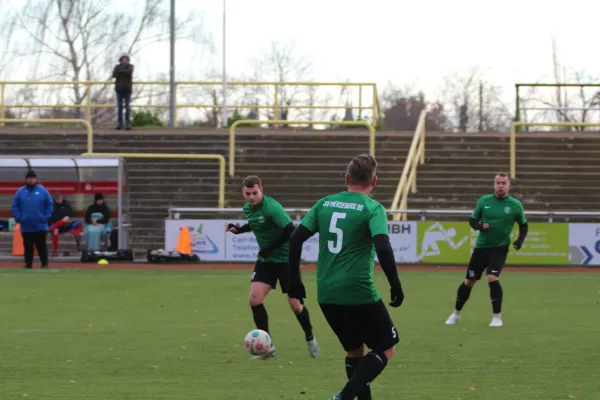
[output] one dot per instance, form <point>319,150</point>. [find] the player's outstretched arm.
<point>280,241</point>
<point>296,288</point>
<point>385,254</point>
<point>236,229</point>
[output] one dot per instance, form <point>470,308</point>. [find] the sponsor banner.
<point>444,242</point>
<point>453,243</point>
<point>584,244</point>
<point>100,187</point>
<point>244,247</point>
<point>52,187</point>
<point>403,238</point>
<point>66,187</point>
<point>211,242</point>
<point>546,244</point>
<point>208,237</point>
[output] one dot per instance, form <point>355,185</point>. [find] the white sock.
<point>456,312</point>
<point>499,315</point>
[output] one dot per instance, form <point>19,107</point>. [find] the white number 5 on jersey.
<point>336,246</point>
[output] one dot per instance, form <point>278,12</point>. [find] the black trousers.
<point>39,240</point>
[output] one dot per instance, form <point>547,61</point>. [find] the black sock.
<point>369,367</point>
<point>261,319</point>
<point>496,296</point>
<point>351,364</point>
<point>304,319</point>
<point>462,295</point>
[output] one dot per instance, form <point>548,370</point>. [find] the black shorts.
<point>491,259</point>
<point>270,273</point>
<point>368,324</point>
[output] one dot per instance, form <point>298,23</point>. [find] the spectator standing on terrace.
<point>123,75</point>
<point>32,206</point>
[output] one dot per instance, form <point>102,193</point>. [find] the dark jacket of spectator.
<point>123,74</point>
<point>61,210</point>
<point>99,206</point>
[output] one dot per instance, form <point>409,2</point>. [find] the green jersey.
<point>267,221</point>
<point>346,223</point>
<point>501,215</point>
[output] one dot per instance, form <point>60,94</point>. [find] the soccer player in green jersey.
<point>272,228</point>
<point>494,217</point>
<point>352,228</point>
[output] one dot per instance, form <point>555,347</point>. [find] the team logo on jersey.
<point>261,219</point>
<point>507,210</point>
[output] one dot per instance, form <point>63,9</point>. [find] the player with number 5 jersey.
<point>352,228</point>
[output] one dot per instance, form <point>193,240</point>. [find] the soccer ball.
<point>258,342</point>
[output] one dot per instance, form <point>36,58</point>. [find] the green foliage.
<point>145,118</point>
<point>238,117</point>
<point>378,126</point>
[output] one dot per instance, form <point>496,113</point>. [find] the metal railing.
<point>276,88</point>
<point>422,213</point>
<point>217,157</point>
<point>276,122</point>
<point>408,179</point>
<point>513,139</point>
<point>88,126</point>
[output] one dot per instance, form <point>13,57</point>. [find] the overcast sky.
<point>413,43</point>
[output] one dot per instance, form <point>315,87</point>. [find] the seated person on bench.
<point>97,218</point>
<point>60,222</point>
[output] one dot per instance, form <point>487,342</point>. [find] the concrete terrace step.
<point>299,167</point>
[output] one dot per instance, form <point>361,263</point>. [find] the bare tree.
<point>80,39</point>
<point>402,107</point>
<point>561,103</point>
<point>473,104</point>
<point>280,63</point>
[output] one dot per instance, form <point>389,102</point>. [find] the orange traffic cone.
<point>184,245</point>
<point>17,245</point>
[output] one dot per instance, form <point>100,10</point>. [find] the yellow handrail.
<point>408,179</point>
<point>513,139</point>
<point>89,106</point>
<point>218,157</point>
<point>88,126</point>
<point>282,122</point>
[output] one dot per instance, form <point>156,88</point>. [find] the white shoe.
<point>270,354</point>
<point>453,319</point>
<point>313,347</point>
<point>496,320</point>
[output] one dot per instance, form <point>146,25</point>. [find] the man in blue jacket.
<point>32,206</point>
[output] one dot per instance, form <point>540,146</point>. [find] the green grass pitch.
<point>115,334</point>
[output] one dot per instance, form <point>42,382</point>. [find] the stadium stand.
<point>555,171</point>
<point>297,168</point>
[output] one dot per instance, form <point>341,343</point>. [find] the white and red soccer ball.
<point>258,342</point>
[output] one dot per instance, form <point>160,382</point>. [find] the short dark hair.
<point>502,175</point>
<point>252,180</point>
<point>362,169</point>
